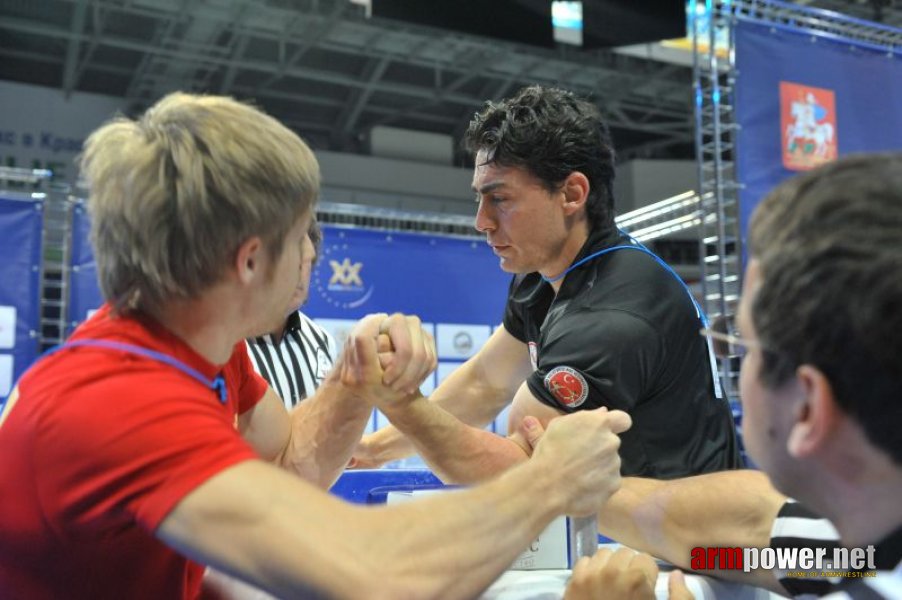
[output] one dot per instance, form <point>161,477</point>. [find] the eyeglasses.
<point>724,342</point>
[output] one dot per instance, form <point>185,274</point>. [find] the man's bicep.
<point>502,363</point>
<point>480,388</point>
<point>266,427</point>
<point>605,358</point>
<point>526,404</point>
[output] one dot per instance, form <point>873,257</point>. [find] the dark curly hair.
<point>829,244</point>
<point>551,133</point>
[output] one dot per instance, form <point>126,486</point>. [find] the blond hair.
<point>176,192</point>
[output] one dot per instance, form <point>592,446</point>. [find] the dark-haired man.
<point>592,320</point>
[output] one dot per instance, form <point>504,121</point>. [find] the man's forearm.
<point>465,394</point>
<point>455,451</point>
<point>325,430</point>
<point>257,522</point>
<point>456,541</point>
<point>670,518</point>
<point>294,541</point>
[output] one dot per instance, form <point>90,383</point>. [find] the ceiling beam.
<point>77,26</point>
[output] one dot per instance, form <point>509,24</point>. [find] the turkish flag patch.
<point>567,385</point>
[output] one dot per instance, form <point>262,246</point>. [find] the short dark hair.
<point>829,244</point>
<point>551,133</point>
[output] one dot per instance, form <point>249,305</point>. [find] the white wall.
<point>406,185</point>
<point>42,129</point>
<point>393,183</point>
<point>419,146</point>
<point>642,182</point>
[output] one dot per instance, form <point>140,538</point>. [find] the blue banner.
<point>803,99</point>
<point>453,284</point>
<point>21,218</point>
<point>441,279</point>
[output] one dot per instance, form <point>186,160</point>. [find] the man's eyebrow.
<point>488,187</point>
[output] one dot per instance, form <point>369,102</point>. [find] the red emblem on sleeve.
<point>567,385</point>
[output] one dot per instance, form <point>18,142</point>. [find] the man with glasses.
<point>819,329</point>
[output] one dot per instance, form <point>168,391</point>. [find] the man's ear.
<point>576,191</point>
<point>816,416</point>
<point>249,261</point>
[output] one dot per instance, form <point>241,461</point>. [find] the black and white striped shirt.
<point>798,527</point>
<point>297,364</point>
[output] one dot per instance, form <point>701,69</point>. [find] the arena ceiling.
<point>330,73</point>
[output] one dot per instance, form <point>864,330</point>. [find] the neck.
<point>566,254</point>
<point>277,334</point>
<point>860,493</point>
<point>207,324</point>
<point>867,516</point>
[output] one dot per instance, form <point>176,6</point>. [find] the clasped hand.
<point>387,357</point>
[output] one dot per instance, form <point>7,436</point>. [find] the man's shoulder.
<point>633,266</point>
<point>583,325</point>
<point>635,285</point>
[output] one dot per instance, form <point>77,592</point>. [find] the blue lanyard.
<point>640,248</point>
<point>217,384</point>
<point>637,245</point>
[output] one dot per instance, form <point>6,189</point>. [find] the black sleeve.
<point>513,311</point>
<point>597,358</point>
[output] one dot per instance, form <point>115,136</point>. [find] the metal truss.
<point>324,69</point>
<point>36,184</point>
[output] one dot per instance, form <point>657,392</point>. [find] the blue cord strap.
<point>640,248</point>
<point>702,317</point>
<point>596,255</point>
<point>217,384</point>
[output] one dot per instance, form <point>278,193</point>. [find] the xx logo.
<point>345,273</point>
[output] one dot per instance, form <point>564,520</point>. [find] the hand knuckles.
<point>403,353</point>
<point>635,579</point>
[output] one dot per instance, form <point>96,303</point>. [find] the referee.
<point>296,358</point>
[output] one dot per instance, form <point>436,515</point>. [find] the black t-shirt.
<point>622,332</point>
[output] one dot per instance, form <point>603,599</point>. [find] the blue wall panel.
<point>21,218</point>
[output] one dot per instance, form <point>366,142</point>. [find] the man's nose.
<point>484,221</point>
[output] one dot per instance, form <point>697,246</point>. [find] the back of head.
<point>175,193</point>
<point>829,244</point>
<point>550,133</point>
